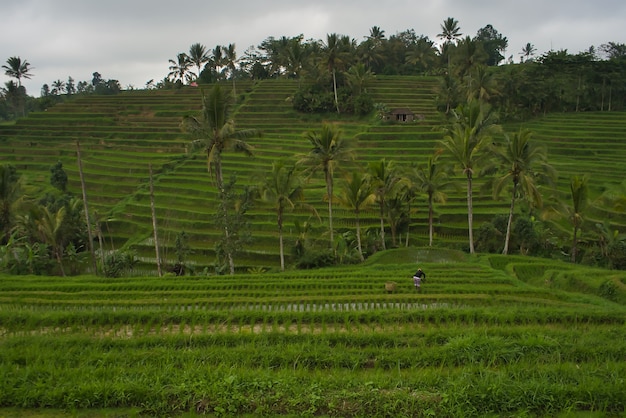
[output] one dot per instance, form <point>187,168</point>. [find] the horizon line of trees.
<point>594,79</point>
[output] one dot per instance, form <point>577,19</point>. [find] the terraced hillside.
<point>484,336</point>
<point>121,135</point>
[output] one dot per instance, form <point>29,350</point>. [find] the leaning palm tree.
<point>330,149</point>
<point>432,179</point>
<point>283,189</point>
<point>524,165</point>
<point>18,69</point>
<point>357,194</point>
<point>465,142</point>
<point>215,131</point>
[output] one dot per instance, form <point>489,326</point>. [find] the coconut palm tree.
<point>357,193</point>
<point>465,142</point>
<point>230,61</point>
<point>433,179</point>
<point>49,226</point>
<point>387,182</point>
<point>198,56</point>
<point>527,52</point>
<point>579,192</point>
<point>179,68</point>
<point>334,56</point>
<point>524,164</point>
<point>450,32</point>
<point>215,131</point>
<point>330,150</point>
<point>283,189</point>
<point>18,69</point>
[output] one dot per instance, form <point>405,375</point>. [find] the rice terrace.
<point>199,291</point>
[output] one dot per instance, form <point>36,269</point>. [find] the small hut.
<point>401,114</point>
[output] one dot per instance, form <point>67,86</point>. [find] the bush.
<point>316,259</point>
<point>119,262</point>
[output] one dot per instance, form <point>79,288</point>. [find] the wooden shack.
<point>401,114</point>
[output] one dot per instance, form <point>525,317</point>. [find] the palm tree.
<point>357,194</point>
<point>376,35</point>
<point>198,56</point>
<point>179,67</point>
<point>283,189</point>
<point>579,192</point>
<point>230,61</point>
<point>16,68</point>
<point>216,133</point>
<point>432,179</point>
<point>330,150</point>
<point>527,52</point>
<point>521,159</point>
<point>450,32</point>
<point>386,181</point>
<point>334,55</point>
<point>58,87</point>
<point>465,142</point>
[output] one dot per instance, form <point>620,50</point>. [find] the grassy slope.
<point>120,135</point>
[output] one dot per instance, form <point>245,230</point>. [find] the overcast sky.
<point>132,40</point>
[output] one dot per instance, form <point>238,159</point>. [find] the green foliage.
<point>58,176</point>
<point>119,263</point>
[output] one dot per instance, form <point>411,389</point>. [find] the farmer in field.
<point>418,277</point>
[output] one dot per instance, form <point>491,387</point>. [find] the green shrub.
<point>119,262</point>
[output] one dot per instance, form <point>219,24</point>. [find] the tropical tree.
<point>433,179</point>
<point>334,57</point>
<point>465,142</point>
<point>18,69</point>
<point>215,131</point>
<point>179,68</point>
<point>579,190</point>
<point>330,150</point>
<point>357,193</point>
<point>283,189</point>
<point>528,51</point>
<point>387,181</point>
<point>198,56</point>
<point>450,32</point>
<point>523,164</point>
<point>230,62</point>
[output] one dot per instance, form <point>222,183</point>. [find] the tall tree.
<point>49,226</point>
<point>579,190</point>
<point>179,68</point>
<point>493,43</point>
<point>282,189</point>
<point>215,131</point>
<point>528,51</point>
<point>387,181</point>
<point>465,141</point>
<point>357,193</point>
<point>18,69</point>
<point>330,150</point>
<point>230,61</point>
<point>523,164</point>
<point>433,179</point>
<point>450,33</point>
<point>198,56</point>
<point>334,55</point>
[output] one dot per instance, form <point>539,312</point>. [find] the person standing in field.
<point>418,277</point>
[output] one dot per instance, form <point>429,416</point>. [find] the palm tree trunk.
<point>430,220</point>
<point>470,213</point>
<point>57,253</point>
<point>507,238</point>
<point>574,244</point>
<point>329,191</point>
<point>154,223</point>
<point>358,234</point>
<point>382,224</point>
<point>83,187</point>
<point>335,90</point>
<point>280,240</point>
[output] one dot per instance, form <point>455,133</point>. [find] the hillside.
<point>120,135</point>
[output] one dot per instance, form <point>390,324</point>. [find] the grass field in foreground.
<point>485,336</point>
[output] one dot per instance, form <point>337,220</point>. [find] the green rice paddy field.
<point>485,336</point>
